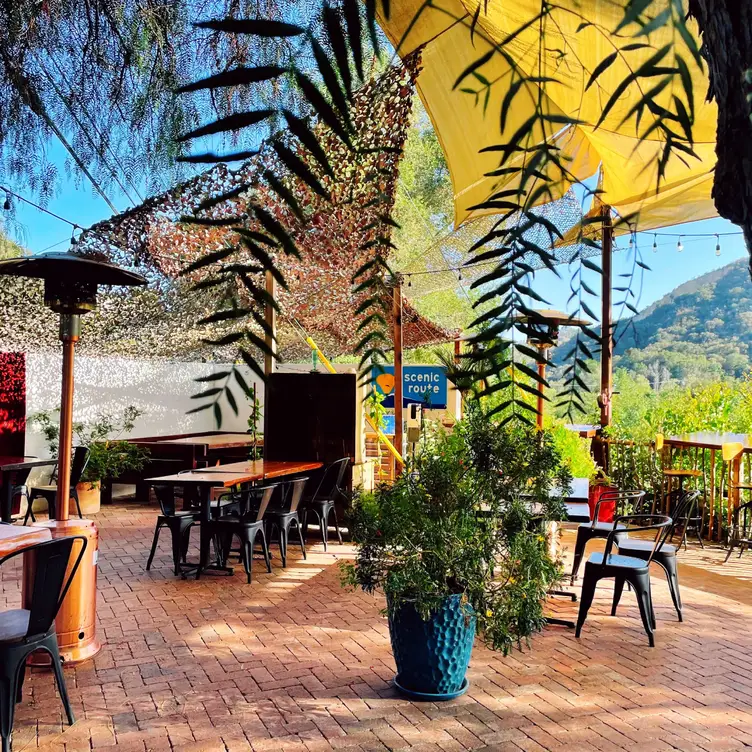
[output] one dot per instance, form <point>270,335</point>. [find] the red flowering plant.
<point>466,517</point>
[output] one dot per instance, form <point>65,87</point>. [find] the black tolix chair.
<point>26,630</point>
<point>625,569</point>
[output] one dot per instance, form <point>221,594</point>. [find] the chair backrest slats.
<point>295,494</point>
<point>53,571</point>
<point>661,523</point>
<point>166,497</point>
<point>330,484</point>
<point>81,456</point>
<point>621,499</point>
<point>267,492</point>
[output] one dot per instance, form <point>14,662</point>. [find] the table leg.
<point>734,495</point>
<point>6,494</point>
<point>711,519</point>
<point>206,537</point>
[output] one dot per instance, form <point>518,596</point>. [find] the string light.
<point>655,244</point>
<point>6,205</point>
<point>73,239</point>
<point>459,275</point>
<point>717,246</point>
<point>409,281</point>
<point>680,245</point>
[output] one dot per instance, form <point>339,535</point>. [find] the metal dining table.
<point>9,466</point>
<point>227,476</point>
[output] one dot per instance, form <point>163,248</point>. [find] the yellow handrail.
<point>382,436</point>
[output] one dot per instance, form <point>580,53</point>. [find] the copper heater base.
<point>76,621</point>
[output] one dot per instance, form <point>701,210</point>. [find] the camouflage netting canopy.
<point>162,320</point>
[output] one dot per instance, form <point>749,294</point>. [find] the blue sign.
<point>421,385</point>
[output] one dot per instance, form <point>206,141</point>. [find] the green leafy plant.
<point>109,455</point>
<point>465,518</point>
<point>254,419</point>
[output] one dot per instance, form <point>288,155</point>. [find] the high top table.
<point>714,441</point>
<point>227,476</point>
<point>8,468</point>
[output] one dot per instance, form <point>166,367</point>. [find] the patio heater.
<point>70,289</point>
<point>542,331</point>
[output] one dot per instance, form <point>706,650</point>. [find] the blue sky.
<point>668,266</point>
<point>77,202</point>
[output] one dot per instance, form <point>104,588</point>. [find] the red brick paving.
<point>295,663</point>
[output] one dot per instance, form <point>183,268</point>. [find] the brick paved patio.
<point>293,662</point>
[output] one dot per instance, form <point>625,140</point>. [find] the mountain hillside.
<point>702,329</point>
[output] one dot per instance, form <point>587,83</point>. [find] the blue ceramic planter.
<point>432,656</point>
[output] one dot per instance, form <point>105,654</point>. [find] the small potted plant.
<point>109,455</point>
<point>600,483</point>
<point>457,544</point>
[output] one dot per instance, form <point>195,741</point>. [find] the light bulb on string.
<point>7,203</point>
<point>680,245</point>
<point>717,246</point>
<point>655,244</point>
<point>459,275</point>
<point>73,239</point>
<point>409,281</point>
<point>631,240</point>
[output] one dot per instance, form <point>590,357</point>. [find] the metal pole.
<point>270,317</point>
<point>542,378</point>
<point>607,340</point>
<point>70,330</point>
<point>397,315</point>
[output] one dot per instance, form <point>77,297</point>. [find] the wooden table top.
<point>18,463</point>
<point>585,430</point>
<point>212,440</point>
<point>13,537</point>
<point>234,473</point>
<point>711,440</point>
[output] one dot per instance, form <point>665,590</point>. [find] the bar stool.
<point>670,473</point>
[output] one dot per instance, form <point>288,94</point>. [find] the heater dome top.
<point>64,267</point>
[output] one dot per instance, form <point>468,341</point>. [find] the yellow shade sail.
<point>467,118</point>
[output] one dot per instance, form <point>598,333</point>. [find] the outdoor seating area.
<point>294,662</point>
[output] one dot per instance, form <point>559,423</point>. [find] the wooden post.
<point>711,521</point>
<point>607,340</point>
<point>542,377</point>
<point>398,380</point>
<point>270,317</point>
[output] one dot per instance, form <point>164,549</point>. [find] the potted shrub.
<point>457,544</point>
<point>109,455</point>
<point>600,483</point>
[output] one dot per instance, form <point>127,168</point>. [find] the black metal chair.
<point>322,501</point>
<point>49,493</point>
<point>179,523</point>
<point>283,517</point>
<point>19,490</point>
<point>25,630</point>
<point>598,529</point>
<point>625,569</point>
<point>741,530</point>
<point>687,515</point>
<point>247,527</point>
<point>665,555</point>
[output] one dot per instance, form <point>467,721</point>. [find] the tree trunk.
<point>726,28</point>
